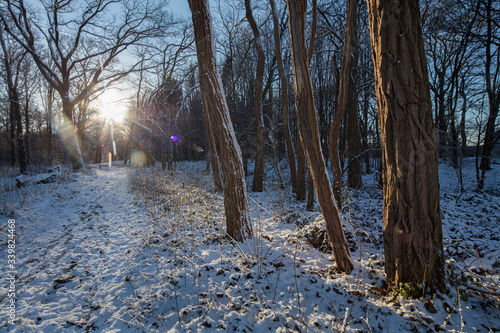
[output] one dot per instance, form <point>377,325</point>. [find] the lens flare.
<point>138,158</point>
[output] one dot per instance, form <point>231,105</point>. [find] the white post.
<point>110,159</point>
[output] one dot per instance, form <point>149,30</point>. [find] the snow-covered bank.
<point>92,256</point>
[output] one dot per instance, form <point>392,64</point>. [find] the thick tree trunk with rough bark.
<point>238,224</point>
<point>412,221</point>
<point>258,176</point>
<point>308,130</point>
<point>284,97</point>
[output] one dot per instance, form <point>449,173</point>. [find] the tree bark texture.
<point>258,176</point>
<point>238,224</point>
<point>284,97</point>
<point>213,157</point>
<point>309,133</point>
<point>412,222</point>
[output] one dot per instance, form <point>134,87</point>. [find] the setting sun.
<point>113,106</point>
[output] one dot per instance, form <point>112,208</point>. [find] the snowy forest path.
<point>75,248</point>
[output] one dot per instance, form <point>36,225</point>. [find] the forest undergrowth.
<point>145,250</point>
<point>284,277</point>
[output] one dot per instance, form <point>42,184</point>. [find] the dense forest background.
<point>155,70</point>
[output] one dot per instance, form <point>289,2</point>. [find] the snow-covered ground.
<point>125,250</point>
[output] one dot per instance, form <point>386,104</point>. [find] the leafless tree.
<point>81,36</point>
<point>12,62</point>
<point>238,224</point>
<point>308,130</point>
<point>412,220</point>
<point>346,87</point>
<point>258,176</point>
<point>284,96</point>
<point>491,42</point>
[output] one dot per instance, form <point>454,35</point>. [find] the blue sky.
<point>179,7</point>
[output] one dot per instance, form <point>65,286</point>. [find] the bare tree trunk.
<point>21,155</point>
<point>301,157</point>
<point>312,37</point>
<point>412,221</point>
<point>343,100</point>
<point>310,52</point>
<point>16,122</point>
<point>213,158</point>
<point>364,135</point>
<point>493,91</point>
<point>130,141</point>
<point>81,124</point>
<point>27,136</point>
<point>442,123</point>
<point>258,175</point>
<point>27,118</point>
<point>284,98</point>
<point>128,150</point>
<point>50,104</point>
<point>238,224</point>
<point>98,149</point>
<point>354,149</point>
<point>490,139</point>
<point>301,170</point>
<point>453,143</point>
<point>310,192</point>
<point>463,135</point>
<point>12,136</point>
<point>309,133</point>
<point>69,134</point>
<point>354,145</point>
